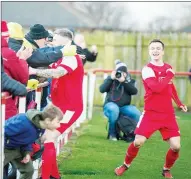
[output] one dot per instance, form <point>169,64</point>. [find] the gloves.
<point>69,50</point>
<point>32,84</point>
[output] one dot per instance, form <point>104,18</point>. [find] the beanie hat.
<point>38,32</point>
<point>120,66</point>
<point>4,29</point>
<point>15,30</point>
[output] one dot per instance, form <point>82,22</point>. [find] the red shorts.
<point>152,121</point>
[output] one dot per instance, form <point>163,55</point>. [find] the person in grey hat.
<point>119,87</point>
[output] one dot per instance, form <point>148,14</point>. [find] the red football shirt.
<point>66,91</point>
<point>159,89</point>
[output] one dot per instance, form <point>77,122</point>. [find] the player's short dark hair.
<point>64,33</point>
<point>157,40</point>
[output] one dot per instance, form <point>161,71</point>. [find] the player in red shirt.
<point>66,93</point>
<point>158,112</point>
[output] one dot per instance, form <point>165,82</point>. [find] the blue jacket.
<point>21,132</point>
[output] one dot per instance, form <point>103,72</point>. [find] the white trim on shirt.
<point>70,61</point>
<point>147,72</point>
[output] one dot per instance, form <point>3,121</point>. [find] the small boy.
<point>22,130</point>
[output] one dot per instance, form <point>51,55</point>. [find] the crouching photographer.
<point>119,87</point>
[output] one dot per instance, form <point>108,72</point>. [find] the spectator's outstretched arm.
<point>91,57</point>
<point>155,85</point>
<point>44,59</point>
<point>105,87</point>
<point>12,86</point>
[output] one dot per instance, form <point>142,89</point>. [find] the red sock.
<point>49,164</point>
<point>171,158</point>
<point>132,152</point>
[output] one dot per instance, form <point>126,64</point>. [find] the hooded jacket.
<point>16,69</point>
<point>22,130</point>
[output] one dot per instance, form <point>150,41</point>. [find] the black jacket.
<point>39,58</point>
<point>119,93</point>
<point>89,55</point>
<point>10,85</point>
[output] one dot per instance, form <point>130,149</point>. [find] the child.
<point>22,130</point>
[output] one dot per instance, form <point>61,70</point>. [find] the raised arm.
<point>156,86</point>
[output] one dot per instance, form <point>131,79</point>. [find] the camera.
<point>118,74</point>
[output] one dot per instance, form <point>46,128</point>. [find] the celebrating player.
<point>158,112</point>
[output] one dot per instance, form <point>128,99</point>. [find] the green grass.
<point>89,155</point>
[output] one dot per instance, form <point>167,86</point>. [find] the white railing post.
<point>38,97</point>
<point>22,104</point>
<point>3,103</point>
<point>105,75</point>
<point>85,96</point>
<point>91,89</point>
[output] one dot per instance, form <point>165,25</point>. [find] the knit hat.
<point>4,29</point>
<point>120,66</point>
<point>38,32</point>
<point>15,30</point>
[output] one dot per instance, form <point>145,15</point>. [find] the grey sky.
<point>144,12</point>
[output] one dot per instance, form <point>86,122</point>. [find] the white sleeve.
<point>147,72</point>
<point>70,61</point>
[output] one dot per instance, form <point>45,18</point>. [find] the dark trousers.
<point>14,156</point>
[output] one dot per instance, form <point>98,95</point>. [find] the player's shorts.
<point>151,121</point>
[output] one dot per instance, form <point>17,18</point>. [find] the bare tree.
<point>104,14</point>
<point>161,24</point>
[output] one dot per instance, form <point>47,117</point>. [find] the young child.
<point>22,130</point>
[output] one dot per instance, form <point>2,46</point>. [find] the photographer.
<point>119,88</point>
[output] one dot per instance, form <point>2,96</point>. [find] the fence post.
<point>3,102</point>
<point>38,97</point>
<point>22,104</point>
<point>91,89</point>
<point>105,75</point>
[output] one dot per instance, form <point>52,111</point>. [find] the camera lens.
<point>118,74</point>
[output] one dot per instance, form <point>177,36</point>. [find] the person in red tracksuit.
<point>158,112</point>
<point>66,93</point>
<point>15,66</point>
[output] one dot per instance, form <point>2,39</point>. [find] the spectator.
<point>66,88</point>
<point>190,75</point>
<point>119,88</point>
<point>10,61</point>
<point>90,55</point>
<point>36,39</point>
<point>10,85</point>
<point>22,130</point>
<point>42,55</point>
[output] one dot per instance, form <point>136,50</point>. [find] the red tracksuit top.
<point>159,90</point>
